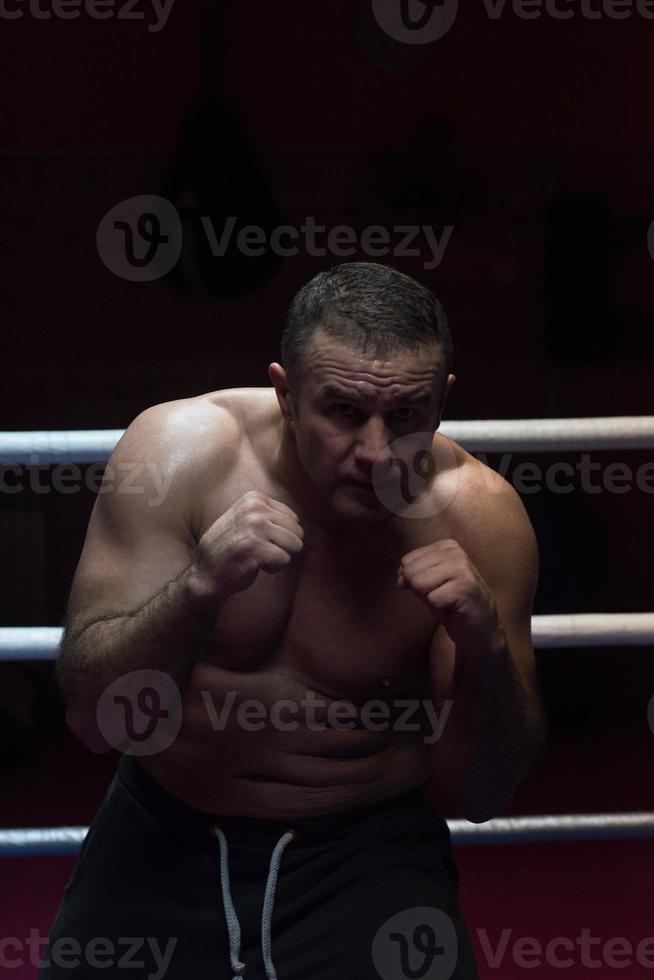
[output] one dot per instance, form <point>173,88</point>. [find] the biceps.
<point>517,630</point>
<point>515,600</point>
<point>442,662</point>
<point>124,563</point>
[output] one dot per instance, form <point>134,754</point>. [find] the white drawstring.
<point>233,927</point>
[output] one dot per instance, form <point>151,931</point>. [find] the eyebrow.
<point>419,398</point>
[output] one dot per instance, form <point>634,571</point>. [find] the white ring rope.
<point>86,446</point>
<point>574,630</point>
<point>492,435</point>
<point>550,435</point>
<point>29,642</point>
<point>31,842</point>
<point>593,629</point>
<point>590,826</point>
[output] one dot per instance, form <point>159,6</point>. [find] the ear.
<point>449,384</point>
<point>279,381</point>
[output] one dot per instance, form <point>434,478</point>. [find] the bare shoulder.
<point>189,447</point>
<point>486,515</point>
<point>189,432</point>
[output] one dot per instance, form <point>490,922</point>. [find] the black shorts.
<point>362,894</point>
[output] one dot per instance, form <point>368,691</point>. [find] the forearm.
<point>493,732</point>
<point>167,633</point>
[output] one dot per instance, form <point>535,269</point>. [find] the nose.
<point>372,445</point>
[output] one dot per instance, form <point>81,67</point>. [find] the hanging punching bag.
<point>218,186</point>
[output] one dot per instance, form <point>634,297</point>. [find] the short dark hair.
<point>369,305</point>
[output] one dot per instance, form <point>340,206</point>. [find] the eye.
<point>343,410</point>
<point>404,417</point>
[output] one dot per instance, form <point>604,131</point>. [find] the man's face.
<point>357,418</point>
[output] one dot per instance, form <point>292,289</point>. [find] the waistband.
<point>173,810</point>
<point>257,832</point>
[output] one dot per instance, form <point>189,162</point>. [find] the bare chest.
<point>334,617</point>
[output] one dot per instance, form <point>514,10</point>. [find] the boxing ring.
<point>568,631</point>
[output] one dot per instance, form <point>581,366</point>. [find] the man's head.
<point>366,355</point>
<point>370,306</point>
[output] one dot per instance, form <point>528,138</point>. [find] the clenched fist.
<point>256,534</point>
<point>442,575</point>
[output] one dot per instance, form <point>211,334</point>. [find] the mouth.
<point>361,484</point>
<point>378,486</point>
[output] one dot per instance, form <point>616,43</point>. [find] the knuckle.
<point>249,540</point>
<point>255,522</point>
<point>247,565</point>
<point>252,501</point>
<point>275,558</point>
